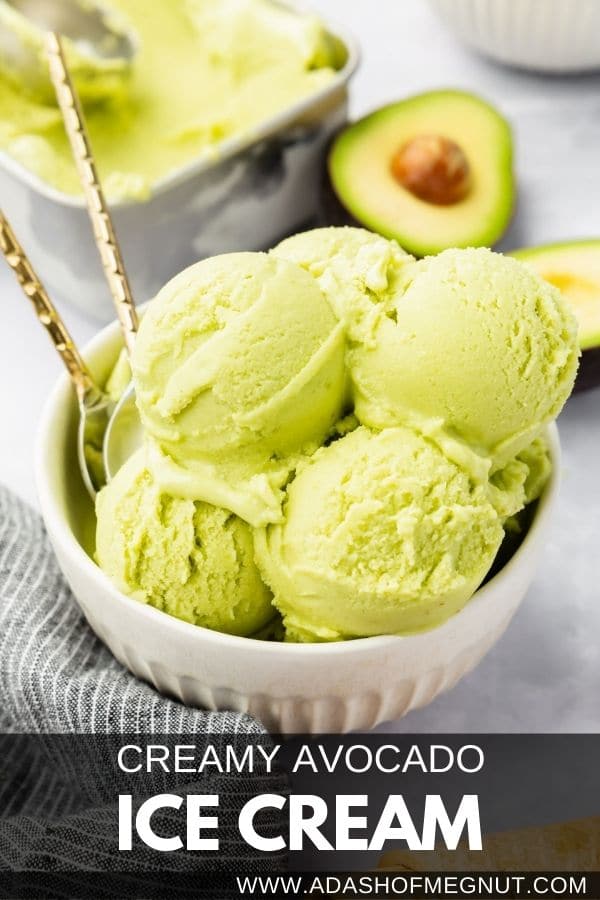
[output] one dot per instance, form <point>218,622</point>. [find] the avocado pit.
<point>404,169</point>
<point>433,168</point>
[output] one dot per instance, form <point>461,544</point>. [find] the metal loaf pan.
<point>258,189</point>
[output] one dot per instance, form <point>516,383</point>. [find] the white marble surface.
<point>545,673</point>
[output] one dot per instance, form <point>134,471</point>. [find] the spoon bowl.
<point>94,414</point>
<point>95,407</point>
<point>111,437</point>
<point>102,48</point>
<point>123,434</point>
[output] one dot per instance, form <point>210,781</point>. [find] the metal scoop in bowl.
<point>123,434</point>
<point>102,47</point>
<point>123,430</point>
<point>95,407</point>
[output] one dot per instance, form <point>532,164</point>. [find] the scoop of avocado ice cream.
<point>475,346</point>
<point>382,535</point>
<point>358,271</point>
<point>238,365</point>
<point>539,468</point>
<point>120,377</point>
<point>522,480</point>
<point>189,559</point>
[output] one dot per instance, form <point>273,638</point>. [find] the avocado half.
<point>574,268</point>
<point>433,171</point>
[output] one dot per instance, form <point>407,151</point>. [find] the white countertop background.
<point>544,675</point>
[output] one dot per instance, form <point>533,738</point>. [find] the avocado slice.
<point>433,171</point>
<point>574,267</point>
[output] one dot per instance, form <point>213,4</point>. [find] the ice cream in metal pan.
<point>198,73</point>
<point>202,150</point>
<point>101,48</point>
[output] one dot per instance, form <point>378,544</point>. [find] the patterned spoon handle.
<point>104,232</point>
<point>45,310</point>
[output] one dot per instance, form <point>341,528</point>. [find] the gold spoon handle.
<point>45,310</point>
<point>104,232</point>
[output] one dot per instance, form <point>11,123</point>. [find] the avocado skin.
<point>588,376</point>
<point>333,213</point>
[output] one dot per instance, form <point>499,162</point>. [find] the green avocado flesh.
<point>360,169</point>
<point>574,268</point>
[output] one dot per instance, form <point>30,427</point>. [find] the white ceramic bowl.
<point>545,35</point>
<point>290,688</point>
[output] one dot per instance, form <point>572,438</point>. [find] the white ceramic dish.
<point>545,35</point>
<point>261,187</point>
<point>291,688</point>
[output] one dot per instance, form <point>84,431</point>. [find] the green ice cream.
<point>465,345</point>
<point>539,468</point>
<point>476,348</point>
<point>189,559</point>
<point>522,480</point>
<point>359,272</point>
<point>384,521</point>
<point>239,367</point>
<point>204,72</point>
<point>96,76</point>
<point>382,535</point>
<point>120,377</point>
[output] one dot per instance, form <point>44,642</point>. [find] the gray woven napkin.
<point>57,677</point>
